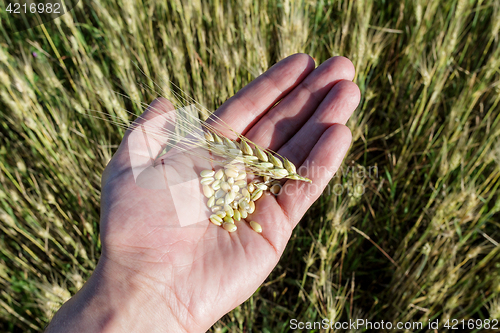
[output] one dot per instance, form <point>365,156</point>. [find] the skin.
<point>153,277</point>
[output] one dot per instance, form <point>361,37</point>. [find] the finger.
<point>337,107</point>
<point>144,140</point>
<point>242,110</point>
<point>281,122</point>
<point>320,166</point>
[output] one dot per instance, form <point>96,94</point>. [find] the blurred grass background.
<point>408,229</point>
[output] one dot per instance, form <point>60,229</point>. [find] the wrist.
<point>114,300</point>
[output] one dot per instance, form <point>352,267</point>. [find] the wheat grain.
<point>260,154</point>
<point>289,166</point>
<point>234,204</point>
<point>241,176</point>
<point>207,180</point>
<point>219,194</point>
<point>231,173</point>
<point>244,205</point>
<point>208,191</point>
<point>245,148</point>
<point>256,227</point>
<point>229,210</point>
<point>228,219</point>
<point>237,215</point>
<point>256,194</point>
<point>216,184</point>
<point>215,219</point>
<point>251,207</point>
<point>219,174</point>
<point>207,173</point>
<point>243,213</point>
<point>230,227</point>
<point>261,186</point>
<point>221,214</point>
<point>276,162</point>
<point>241,183</point>
<point>245,193</point>
<point>225,187</point>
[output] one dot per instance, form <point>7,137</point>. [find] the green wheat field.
<point>408,230</point>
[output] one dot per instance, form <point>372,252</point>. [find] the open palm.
<point>200,272</point>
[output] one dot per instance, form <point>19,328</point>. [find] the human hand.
<point>155,275</point>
